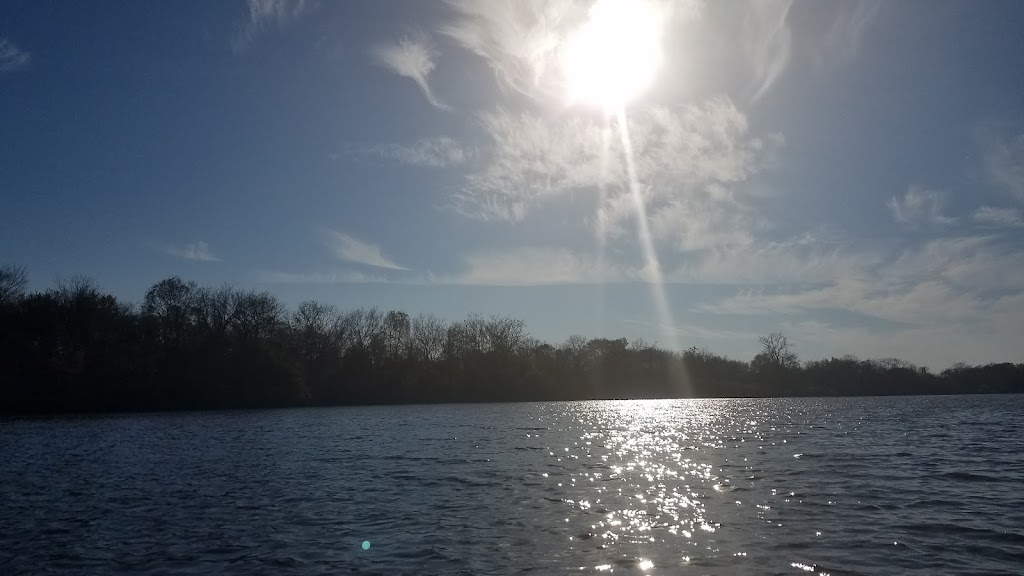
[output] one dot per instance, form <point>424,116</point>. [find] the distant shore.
<point>187,347</point>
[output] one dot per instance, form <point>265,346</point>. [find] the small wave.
<point>970,477</point>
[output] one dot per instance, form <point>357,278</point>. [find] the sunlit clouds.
<point>352,250</point>
<point>615,54</point>
<point>837,170</point>
<point>411,57</point>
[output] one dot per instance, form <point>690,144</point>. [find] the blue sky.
<point>849,173</point>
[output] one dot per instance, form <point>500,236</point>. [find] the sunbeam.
<point>651,264</point>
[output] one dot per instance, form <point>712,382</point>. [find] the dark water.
<point>842,486</point>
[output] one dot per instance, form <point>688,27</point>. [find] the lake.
<point>910,485</point>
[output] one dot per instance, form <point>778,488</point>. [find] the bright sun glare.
<point>614,56</point>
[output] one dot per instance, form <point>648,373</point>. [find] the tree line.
<point>74,348</point>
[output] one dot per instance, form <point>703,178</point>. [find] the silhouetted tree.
<point>13,282</point>
<point>74,348</point>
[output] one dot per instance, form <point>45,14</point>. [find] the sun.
<point>615,55</point>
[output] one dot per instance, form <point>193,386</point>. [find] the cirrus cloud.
<point>411,57</point>
<point>350,249</point>
<point>263,14</point>
<point>199,252</point>
<point>12,57</point>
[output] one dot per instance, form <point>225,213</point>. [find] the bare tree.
<point>312,324</point>
<point>777,352</point>
<point>397,333</point>
<point>13,282</point>
<point>504,334</point>
<point>256,315</point>
<point>576,349</point>
<point>428,337</point>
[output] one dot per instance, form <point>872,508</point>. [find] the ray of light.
<point>602,219</point>
<point>652,266</point>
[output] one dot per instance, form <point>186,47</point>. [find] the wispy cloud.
<point>998,217</point>
<point>341,277</point>
<point>532,266</point>
<point>200,252</point>
<point>435,152</point>
<point>948,282</point>
<point>804,260</point>
<point>843,40</point>
<point>349,249</point>
<point>12,57</point>
<point>918,206</point>
<point>264,14</point>
<point>522,41</point>
<point>1004,162</point>
<point>936,346</point>
<point>532,159</point>
<point>519,40</point>
<point>768,41</point>
<point>411,57</point>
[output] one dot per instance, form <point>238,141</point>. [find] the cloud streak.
<point>767,41</point>
<point>341,277</point>
<point>350,249</point>
<point>1004,163</point>
<point>264,14</point>
<point>532,266</point>
<point>843,39</point>
<point>918,206</point>
<point>948,282</point>
<point>411,57</point>
<point>12,57</point>
<point>998,217</point>
<point>435,152</point>
<point>198,252</point>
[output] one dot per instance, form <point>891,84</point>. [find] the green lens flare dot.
<point>366,544</point>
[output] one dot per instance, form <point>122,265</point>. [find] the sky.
<point>848,173</point>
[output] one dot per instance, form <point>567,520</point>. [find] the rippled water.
<point>787,486</point>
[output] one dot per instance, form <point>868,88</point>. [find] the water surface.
<point>917,485</point>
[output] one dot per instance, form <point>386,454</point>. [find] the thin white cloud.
<point>1004,162</point>
<point>199,252</point>
<point>342,277</point>
<point>264,14</point>
<point>349,249</point>
<point>12,57</point>
<point>918,206</point>
<point>998,217</point>
<point>533,267</point>
<point>801,260</point>
<point>519,39</point>
<point>435,152</point>
<point>414,58</point>
<point>994,338</point>
<point>951,284</point>
<point>767,41</point>
<point>844,38</point>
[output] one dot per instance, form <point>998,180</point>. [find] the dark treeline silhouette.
<point>73,348</point>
